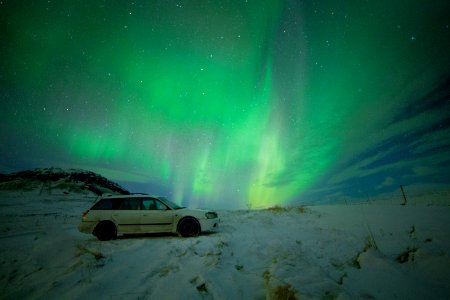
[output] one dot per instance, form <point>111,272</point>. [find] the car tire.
<point>188,227</point>
<point>105,231</point>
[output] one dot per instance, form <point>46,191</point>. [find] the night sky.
<point>230,103</point>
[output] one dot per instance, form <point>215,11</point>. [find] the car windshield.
<point>169,203</point>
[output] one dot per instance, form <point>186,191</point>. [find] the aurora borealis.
<point>230,103</point>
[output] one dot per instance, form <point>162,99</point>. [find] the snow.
<point>367,251</point>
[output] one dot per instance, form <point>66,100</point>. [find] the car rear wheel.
<point>189,227</point>
<point>105,231</point>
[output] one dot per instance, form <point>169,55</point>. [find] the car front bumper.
<point>209,224</point>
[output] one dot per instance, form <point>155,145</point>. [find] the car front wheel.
<point>105,231</point>
<point>189,227</point>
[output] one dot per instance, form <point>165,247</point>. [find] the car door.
<point>127,215</point>
<point>155,216</point>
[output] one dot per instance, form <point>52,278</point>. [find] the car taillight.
<point>85,213</point>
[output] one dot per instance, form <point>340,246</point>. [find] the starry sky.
<point>249,103</point>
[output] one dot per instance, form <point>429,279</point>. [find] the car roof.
<point>129,196</point>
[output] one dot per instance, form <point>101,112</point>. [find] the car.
<point>114,215</point>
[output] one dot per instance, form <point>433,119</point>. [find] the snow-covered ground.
<point>366,251</point>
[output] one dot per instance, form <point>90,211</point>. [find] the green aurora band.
<point>249,102</point>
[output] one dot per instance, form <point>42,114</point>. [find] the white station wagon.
<point>114,215</point>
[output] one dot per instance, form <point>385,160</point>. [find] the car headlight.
<point>211,215</point>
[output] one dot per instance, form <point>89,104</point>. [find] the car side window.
<point>160,205</point>
<point>130,204</point>
<point>104,204</point>
<point>107,204</point>
<point>153,204</point>
<point>148,204</point>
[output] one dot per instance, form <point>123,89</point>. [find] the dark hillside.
<point>47,179</point>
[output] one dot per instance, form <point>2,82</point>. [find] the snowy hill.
<point>57,181</point>
<point>364,251</point>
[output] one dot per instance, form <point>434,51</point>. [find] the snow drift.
<point>315,252</point>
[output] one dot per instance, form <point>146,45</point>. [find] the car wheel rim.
<point>189,228</point>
